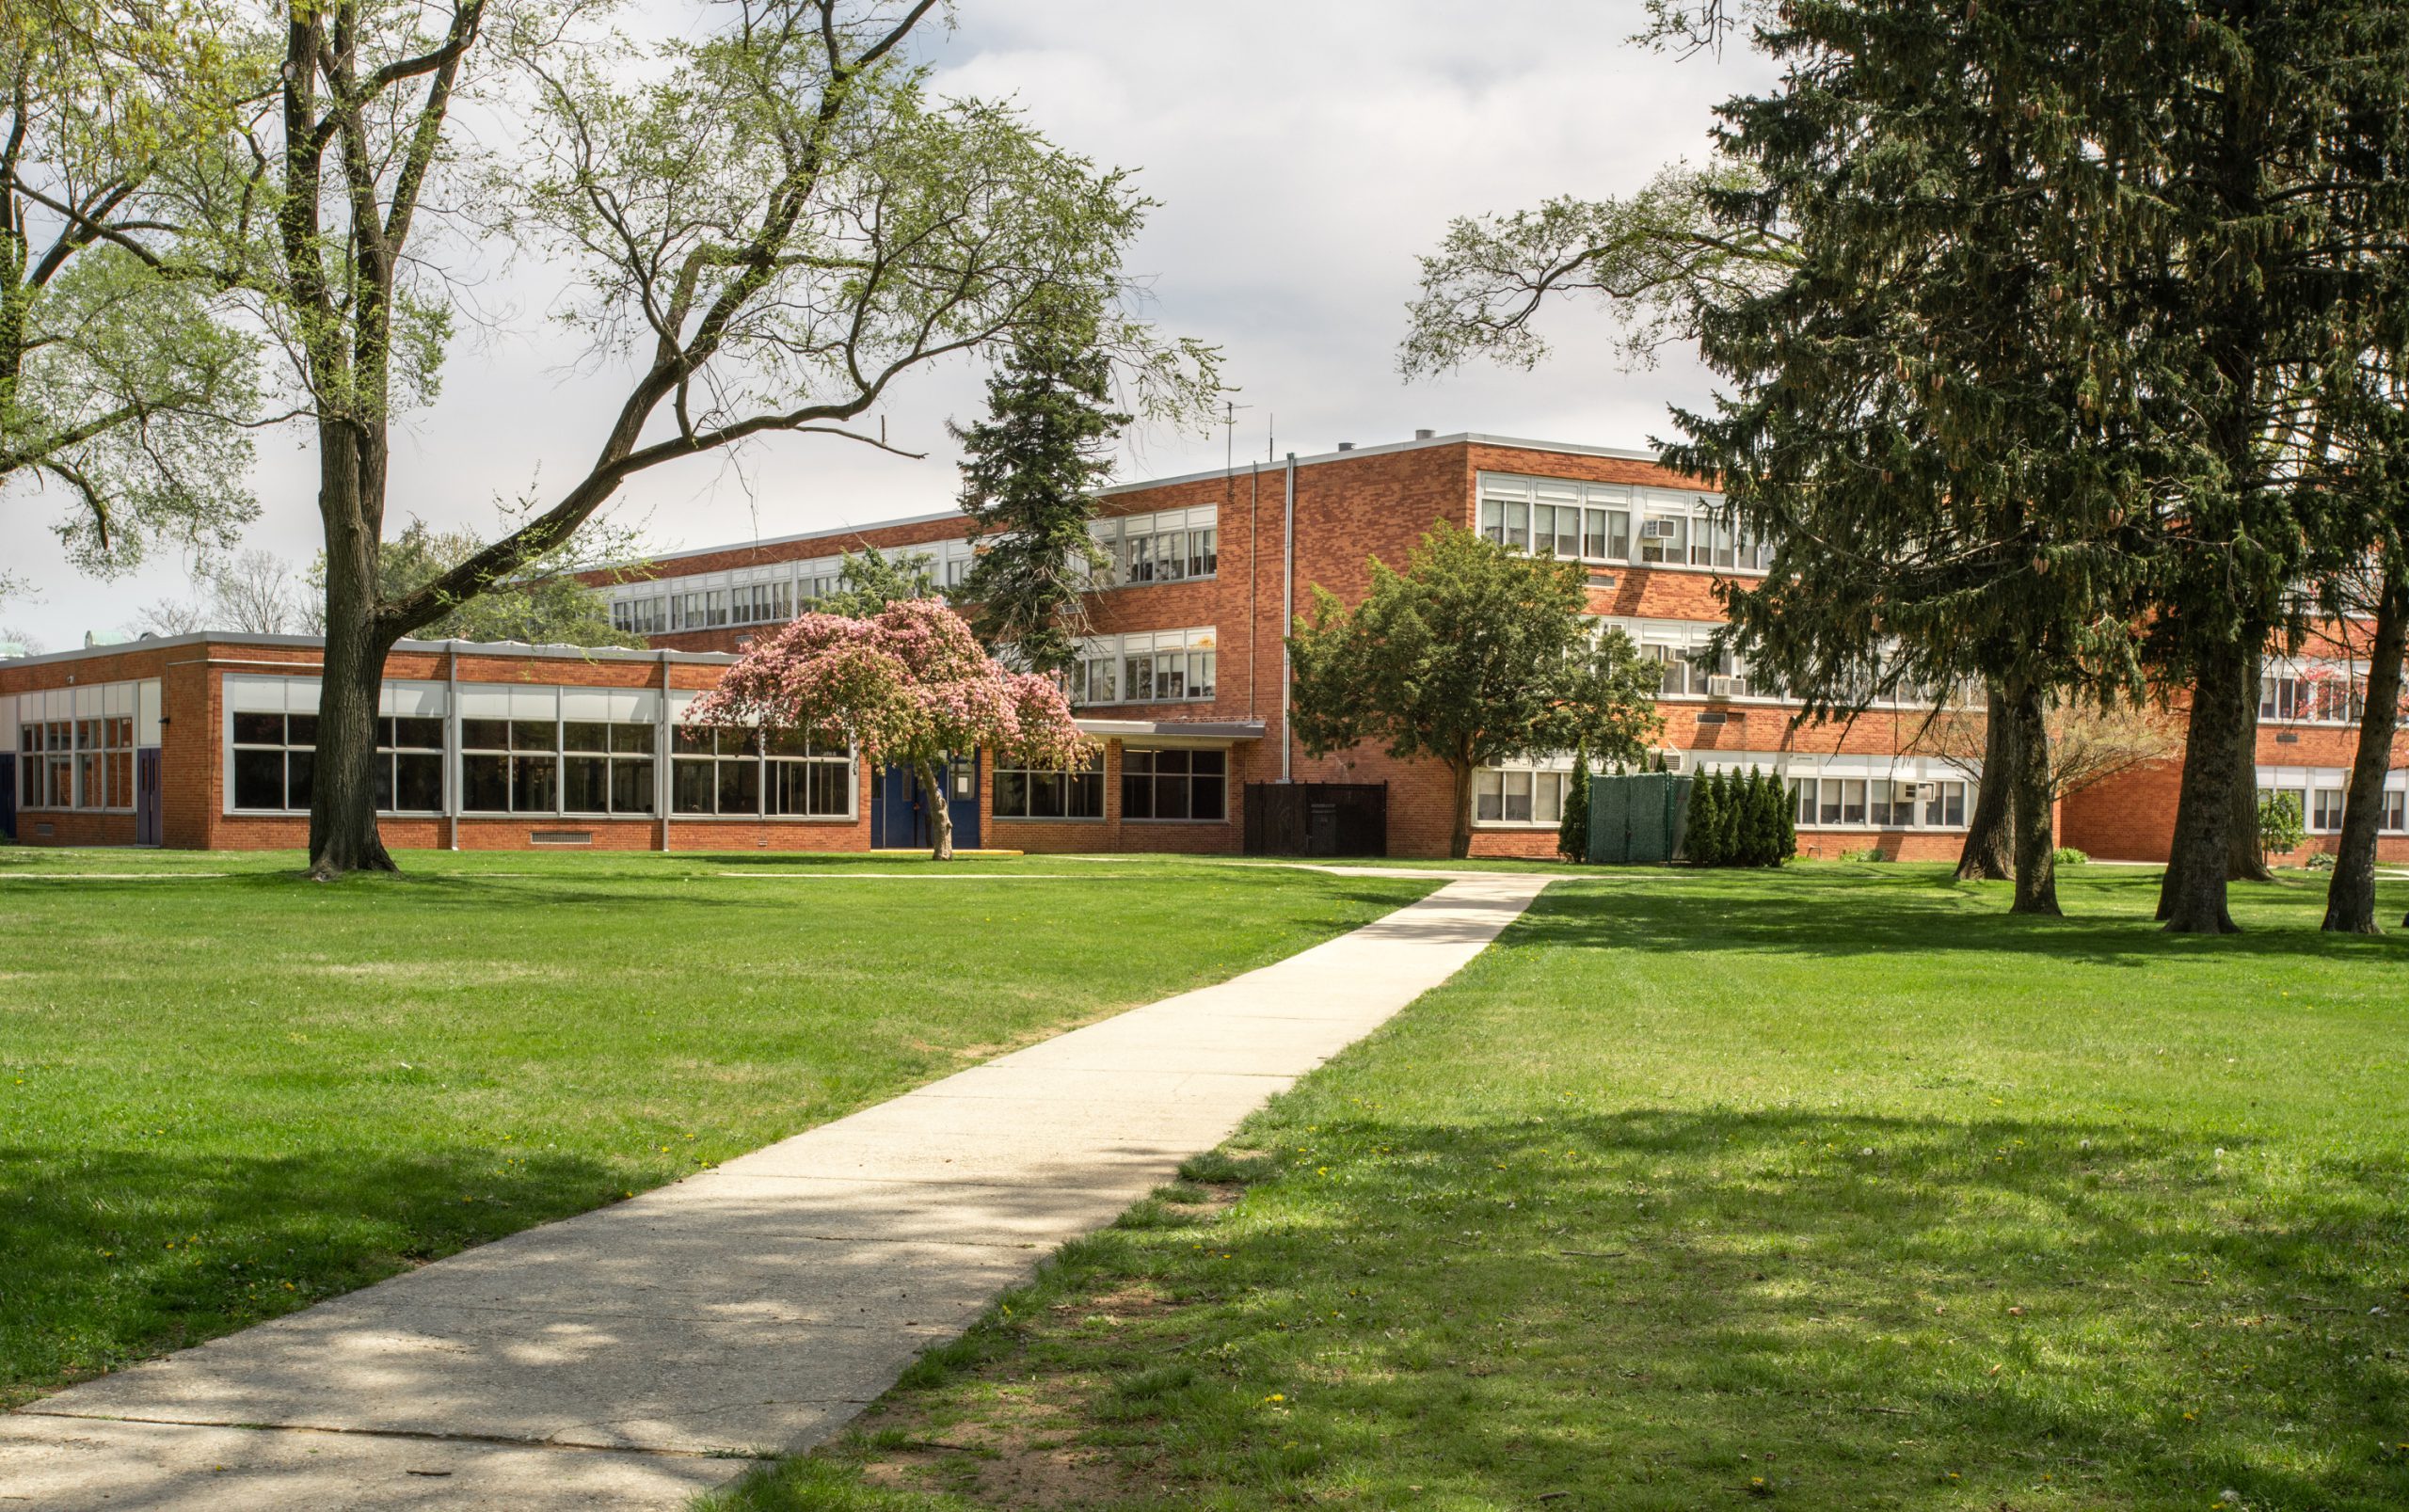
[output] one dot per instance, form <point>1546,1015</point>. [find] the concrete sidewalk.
<point>634,1354</point>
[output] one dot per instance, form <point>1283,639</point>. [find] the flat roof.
<point>1382,449</point>
<point>318,643</point>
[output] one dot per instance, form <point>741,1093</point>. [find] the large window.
<point>75,744</point>
<point>1615,522</point>
<point>2325,809</point>
<point>1516,795</point>
<point>606,767</point>
<point>510,766</point>
<point>1877,803</point>
<point>1170,547</point>
<point>1148,667</point>
<point>1034,792</point>
<point>409,764</point>
<point>1177,784</point>
<point>273,754</point>
<point>731,772</point>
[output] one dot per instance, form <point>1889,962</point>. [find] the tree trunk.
<point>2192,899</point>
<point>1459,838</point>
<point>342,791</point>
<point>2036,875</point>
<point>932,775</point>
<point>2245,854</point>
<point>2350,896</point>
<point>1990,839</point>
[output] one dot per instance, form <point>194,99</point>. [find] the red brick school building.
<point>206,741</point>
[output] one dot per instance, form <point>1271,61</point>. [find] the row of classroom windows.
<point>591,768</point>
<point>2320,809</point>
<point>551,767</point>
<point>1513,796</point>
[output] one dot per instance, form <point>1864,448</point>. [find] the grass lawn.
<point>1836,1187</point>
<point>226,1092</point>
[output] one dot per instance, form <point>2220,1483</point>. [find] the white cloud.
<point>1303,154</point>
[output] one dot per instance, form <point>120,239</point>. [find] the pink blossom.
<point>909,685</point>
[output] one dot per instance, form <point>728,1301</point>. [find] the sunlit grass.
<point>1838,1188</point>
<point>222,1096</point>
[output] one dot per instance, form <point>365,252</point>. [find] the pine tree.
<point>1029,472</point>
<point>1727,816</point>
<point>1703,842</point>
<point>1785,832</point>
<point>1572,833</point>
<point>1758,805</point>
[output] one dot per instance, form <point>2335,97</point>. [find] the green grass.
<point>1836,1189</point>
<point>224,1096</point>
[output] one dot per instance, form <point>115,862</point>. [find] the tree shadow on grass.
<point>110,1256</point>
<point>1875,912</point>
<point>1664,1308</point>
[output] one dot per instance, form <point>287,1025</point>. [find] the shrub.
<point>2321,861</point>
<point>2067,855</point>
<point>2279,823</point>
<point>1872,852</point>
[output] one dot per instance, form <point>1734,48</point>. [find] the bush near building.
<point>1739,820</point>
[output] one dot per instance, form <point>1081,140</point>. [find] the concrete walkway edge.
<point>630,1356</point>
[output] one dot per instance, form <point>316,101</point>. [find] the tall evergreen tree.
<point>1028,481</point>
<point>1702,837</point>
<point>1572,830</point>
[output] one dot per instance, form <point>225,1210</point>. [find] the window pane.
<point>1136,792</point>
<point>1170,797</point>
<point>417,734</point>
<point>631,785</point>
<point>1518,526</point>
<point>300,729</point>
<point>1594,534</point>
<point>382,787</point>
<point>1853,802</point>
<point>418,781</point>
<point>258,779</point>
<point>535,785</point>
<point>1489,796</point>
<point>484,735</point>
<point>633,739</point>
<point>1547,798</point>
<point>1203,762</point>
<point>1085,799</point>
<point>1493,518</point>
<point>580,735</point>
<point>691,787</point>
<point>484,783</point>
<point>1829,810</point>
<point>297,765</point>
<point>1518,797</point>
<point>533,735</point>
<point>739,788</point>
<point>589,787</point>
<point>1011,794</point>
<point>1208,797</point>
<point>691,739</point>
<point>258,729</point>
<point>1953,800</point>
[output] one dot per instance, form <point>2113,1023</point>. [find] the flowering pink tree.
<point>908,685</point>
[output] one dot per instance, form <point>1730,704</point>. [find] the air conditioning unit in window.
<point>1914,792</point>
<point>1721,687</point>
<point>1673,760</point>
<point>1658,530</point>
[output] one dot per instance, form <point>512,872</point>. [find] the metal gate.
<point>1637,818</point>
<point>1316,819</point>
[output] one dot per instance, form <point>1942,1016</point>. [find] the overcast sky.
<point>1303,152</point>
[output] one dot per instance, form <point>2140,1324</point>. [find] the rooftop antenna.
<point>1271,443</point>
<point>1230,409</point>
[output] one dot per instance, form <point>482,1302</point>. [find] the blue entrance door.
<point>898,813</point>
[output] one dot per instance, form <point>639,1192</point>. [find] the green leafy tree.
<point>1028,481</point>
<point>124,387</point>
<point>761,225</point>
<point>1703,838</point>
<point>1572,830</point>
<point>1472,655</point>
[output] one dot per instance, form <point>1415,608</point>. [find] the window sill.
<point>1158,582</point>
<point>1128,820</point>
<point>1033,818</point>
<point>1879,829</point>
